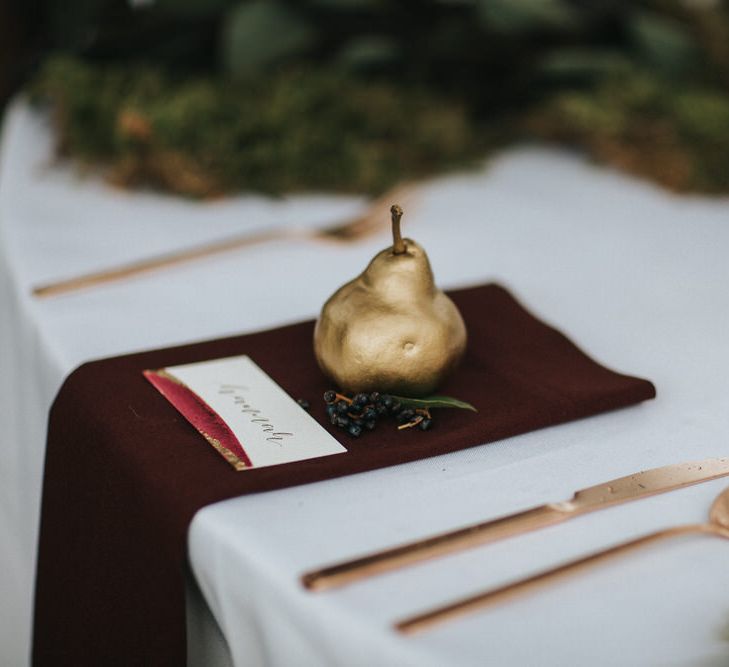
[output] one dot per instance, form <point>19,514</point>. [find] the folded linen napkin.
<point>125,473</point>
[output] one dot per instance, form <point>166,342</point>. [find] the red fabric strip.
<point>198,413</point>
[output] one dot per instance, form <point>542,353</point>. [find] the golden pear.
<point>390,329</point>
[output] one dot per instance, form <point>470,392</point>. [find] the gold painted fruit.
<point>390,329</point>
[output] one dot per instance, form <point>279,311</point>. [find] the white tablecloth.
<point>637,277</point>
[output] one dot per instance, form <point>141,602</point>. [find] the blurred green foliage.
<point>292,131</point>
<point>208,96</point>
<point>678,136</point>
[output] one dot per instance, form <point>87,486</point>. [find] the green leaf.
<point>260,33</point>
<point>191,8</point>
<point>516,16</point>
<point>345,5</point>
<point>583,64</point>
<point>664,42</point>
<point>435,402</point>
<point>366,52</point>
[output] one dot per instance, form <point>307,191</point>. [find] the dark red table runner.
<point>125,473</point>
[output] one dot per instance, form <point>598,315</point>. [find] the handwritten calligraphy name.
<point>255,416</point>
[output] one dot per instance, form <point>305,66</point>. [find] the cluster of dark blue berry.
<point>356,413</point>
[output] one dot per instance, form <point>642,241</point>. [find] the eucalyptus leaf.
<point>258,34</point>
<point>583,63</point>
<point>344,5</point>
<point>515,16</point>
<point>435,402</point>
<point>188,8</point>
<point>367,52</point>
<point>663,41</point>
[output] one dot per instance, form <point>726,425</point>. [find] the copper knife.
<point>621,490</point>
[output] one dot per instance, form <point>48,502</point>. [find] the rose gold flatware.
<point>718,526</point>
<point>352,229</point>
<point>624,489</point>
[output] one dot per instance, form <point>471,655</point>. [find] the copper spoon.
<point>717,525</point>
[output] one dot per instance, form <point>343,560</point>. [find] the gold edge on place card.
<point>229,456</point>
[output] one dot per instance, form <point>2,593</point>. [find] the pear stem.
<point>398,245</point>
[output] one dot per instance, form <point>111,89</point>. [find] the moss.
<point>676,135</point>
<point>321,130</point>
<point>295,130</point>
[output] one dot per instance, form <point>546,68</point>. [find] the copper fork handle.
<point>132,269</point>
<point>479,601</point>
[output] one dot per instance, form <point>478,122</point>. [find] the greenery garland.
<point>296,130</point>
<point>205,97</point>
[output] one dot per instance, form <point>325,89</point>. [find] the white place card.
<point>270,427</point>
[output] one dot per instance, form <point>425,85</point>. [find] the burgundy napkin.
<point>125,473</point>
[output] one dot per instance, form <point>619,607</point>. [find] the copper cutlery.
<point>601,496</point>
<point>351,229</point>
<point>717,525</point>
